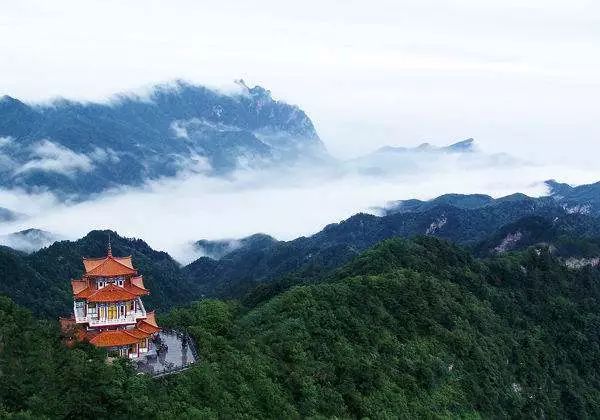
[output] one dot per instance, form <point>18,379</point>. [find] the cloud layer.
<point>524,76</point>
<point>51,157</point>
<point>285,203</point>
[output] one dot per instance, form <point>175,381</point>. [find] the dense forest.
<point>410,328</point>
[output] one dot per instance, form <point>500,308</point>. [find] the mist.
<point>170,214</point>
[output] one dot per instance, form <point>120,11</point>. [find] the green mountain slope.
<point>419,329</point>
<point>411,329</point>
<point>41,281</point>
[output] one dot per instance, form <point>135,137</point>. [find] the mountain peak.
<point>467,145</point>
<point>557,188</point>
<point>8,102</point>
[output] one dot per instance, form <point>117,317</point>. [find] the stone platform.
<point>171,352</point>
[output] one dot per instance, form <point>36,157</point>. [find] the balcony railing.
<point>94,321</point>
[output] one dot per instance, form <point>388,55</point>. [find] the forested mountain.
<point>573,235</point>
<point>467,220</point>
<point>582,199</point>
<point>411,329</point>
<point>257,267</point>
<point>80,148</point>
<point>41,281</point>
<point>29,240</point>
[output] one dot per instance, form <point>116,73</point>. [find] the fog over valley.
<point>172,213</point>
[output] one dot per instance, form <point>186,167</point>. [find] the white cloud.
<point>4,141</point>
<point>105,155</point>
<point>6,162</point>
<point>52,157</point>
<point>286,203</point>
<point>523,75</point>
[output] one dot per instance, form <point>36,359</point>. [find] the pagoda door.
<point>112,311</point>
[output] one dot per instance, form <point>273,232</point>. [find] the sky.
<point>518,76</point>
<point>521,77</point>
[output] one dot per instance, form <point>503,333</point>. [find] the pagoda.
<point>108,309</point>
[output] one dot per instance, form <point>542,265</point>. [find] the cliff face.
<point>80,148</point>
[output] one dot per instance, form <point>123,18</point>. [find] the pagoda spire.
<point>109,247</point>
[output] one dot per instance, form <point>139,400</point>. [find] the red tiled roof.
<point>138,282</point>
<point>136,286</point>
<point>137,333</point>
<point>147,328</point>
<point>111,293</point>
<point>91,263</point>
<point>151,319</point>
<point>79,286</point>
<point>81,290</point>
<point>108,267</point>
<point>113,338</point>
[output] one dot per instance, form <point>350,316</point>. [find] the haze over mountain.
<point>376,238</point>
<point>81,148</point>
<point>74,149</point>
<point>192,156</point>
<point>259,266</point>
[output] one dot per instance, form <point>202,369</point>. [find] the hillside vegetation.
<point>411,328</point>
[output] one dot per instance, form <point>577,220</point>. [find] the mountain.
<point>584,199</point>
<point>466,220</point>
<point>7,215</point>
<point>219,248</point>
<point>29,240</point>
<point>257,267</point>
<point>572,235</point>
<point>408,329</point>
<point>80,148</point>
<point>488,225</point>
<point>389,160</point>
<point>41,280</point>
<point>462,201</point>
<point>464,146</point>
<point>399,159</point>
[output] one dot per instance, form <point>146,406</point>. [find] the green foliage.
<point>41,281</point>
<point>410,329</point>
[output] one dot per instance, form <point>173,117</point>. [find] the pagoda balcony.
<point>93,321</point>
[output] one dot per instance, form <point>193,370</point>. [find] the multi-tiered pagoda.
<point>108,309</point>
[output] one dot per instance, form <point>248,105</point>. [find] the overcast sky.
<point>519,76</point>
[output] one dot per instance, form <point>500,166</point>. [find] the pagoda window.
<point>92,310</point>
<point>129,306</point>
<point>101,283</point>
<point>120,281</point>
<point>121,310</point>
<point>102,312</point>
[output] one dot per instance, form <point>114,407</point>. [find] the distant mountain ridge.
<point>426,157</point>
<point>256,267</point>
<point>76,149</point>
<point>29,240</point>
<point>80,148</point>
<point>463,146</point>
<point>583,199</point>
<point>476,220</point>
